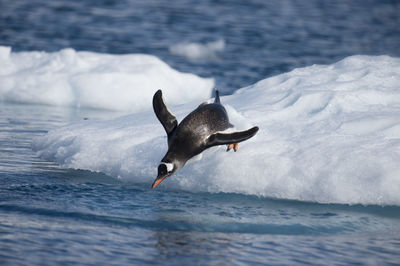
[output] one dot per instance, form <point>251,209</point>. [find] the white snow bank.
<point>93,80</point>
<point>328,134</point>
<point>198,51</point>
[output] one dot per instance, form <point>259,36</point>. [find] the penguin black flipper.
<point>166,118</point>
<point>221,138</point>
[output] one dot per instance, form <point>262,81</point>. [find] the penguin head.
<point>164,170</point>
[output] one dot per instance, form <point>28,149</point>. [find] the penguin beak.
<point>163,173</point>
<point>158,180</point>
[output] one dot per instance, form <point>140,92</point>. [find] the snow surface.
<point>93,80</point>
<point>198,51</point>
<point>328,134</point>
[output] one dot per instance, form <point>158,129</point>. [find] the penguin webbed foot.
<point>234,146</point>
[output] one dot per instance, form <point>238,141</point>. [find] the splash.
<point>198,51</point>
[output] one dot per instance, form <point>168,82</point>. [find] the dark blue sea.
<point>50,215</point>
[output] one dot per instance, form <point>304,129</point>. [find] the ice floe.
<point>328,134</point>
<point>93,80</point>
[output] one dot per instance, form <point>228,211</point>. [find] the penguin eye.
<point>165,168</point>
<point>169,166</point>
<point>162,169</point>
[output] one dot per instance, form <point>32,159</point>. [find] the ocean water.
<point>55,210</point>
<point>262,38</point>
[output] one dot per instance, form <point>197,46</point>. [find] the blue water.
<point>263,38</point>
<point>50,215</point>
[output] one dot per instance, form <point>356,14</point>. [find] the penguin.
<point>201,129</point>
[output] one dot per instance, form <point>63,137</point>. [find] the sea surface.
<point>50,215</point>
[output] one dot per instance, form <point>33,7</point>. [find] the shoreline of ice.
<point>328,134</point>
<point>94,80</point>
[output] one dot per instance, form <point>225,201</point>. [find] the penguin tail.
<point>217,97</point>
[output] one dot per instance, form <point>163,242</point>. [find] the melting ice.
<point>328,134</point>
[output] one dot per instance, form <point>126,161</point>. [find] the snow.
<point>93,80</point>
<point>198,51</point>
<point>328,134</point>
